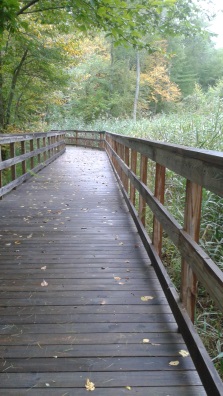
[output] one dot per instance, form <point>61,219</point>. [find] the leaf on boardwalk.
<point>43,268</point>
<point>89,385</point>
<point>174,363</point>
<point>128,387</point>
<point>145,341</point>
<point>17,243</point>
<point>44,283</point>
<point>29,236</point>
<point>147,298</point>
<point>117,278</point>
<point>184,353</point>
<point>121,243</point>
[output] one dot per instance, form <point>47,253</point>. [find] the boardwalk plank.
<point>70,227</point>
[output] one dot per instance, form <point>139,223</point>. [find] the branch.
<point>32,2</point>
<point>45,9</point>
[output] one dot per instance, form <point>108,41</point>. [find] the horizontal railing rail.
<point>201,169</point>
<point>94,139</point>
<point>23,155</point>
<point>129,157</point>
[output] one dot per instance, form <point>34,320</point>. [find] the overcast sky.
<point>217,24</point>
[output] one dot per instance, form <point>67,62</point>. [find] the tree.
<point>127,22</point>
<point>137,86</point>
<point>194,61</point>
<point>124,20</point>
<point>33,59</point>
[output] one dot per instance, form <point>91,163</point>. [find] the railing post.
<point>116,149</point>
<point>38,146</point>
<point>126,181</point>
<point>159,194</point>
<point>192,218</point>
<point>122,156</point>
<point>23,151</point>
<point>53,141</point>
<point>102,136</point>
<point>133,169</point>
<point>31,148</point>
<point>48,150</point>
<point>44,145</point>
<point>143,178</point>
<point>12,155</point>
<point>0,170</point>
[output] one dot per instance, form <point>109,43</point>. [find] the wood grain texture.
<point>204,167</point>
<point>207,272</point>
<point>69,227</point>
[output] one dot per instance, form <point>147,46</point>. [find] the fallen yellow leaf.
<point>43,268</point>
<point>44,283</point>
<point>117,278</point>
<point>145,340</point>
<point>184,353</point>
<point>89,385</point>
<point>147,298</point>
<point>128,387</point>
<point>174,363</point>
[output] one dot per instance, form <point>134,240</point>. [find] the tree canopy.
<point>39,37</point>
<point>127,20</point>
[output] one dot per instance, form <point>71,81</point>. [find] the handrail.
<point>36,150</point>
<point>129,159</point>
<point>201,169</point>
<point>93,139</point>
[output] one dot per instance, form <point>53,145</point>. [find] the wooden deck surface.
<point>72,274</point>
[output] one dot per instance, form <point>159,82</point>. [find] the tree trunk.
<point>112,66</point>
<point>13,86</point>
<point>137,86</point>
<point>1,95</point>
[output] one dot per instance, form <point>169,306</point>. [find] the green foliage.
<point>24,53</point>
<point>194,61</point>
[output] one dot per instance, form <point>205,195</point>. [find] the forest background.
<point>148,69</point>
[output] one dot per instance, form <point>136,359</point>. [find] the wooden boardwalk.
<point>73,272</point>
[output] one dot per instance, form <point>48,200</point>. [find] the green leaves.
<point>8,15</point>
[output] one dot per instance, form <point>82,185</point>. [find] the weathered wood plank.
<point>90,315</point>
<point>210,377</point>
<point>136,391</point>
<point>111,380</point>
<point>204,167</point>
<point>94,363</point>
<point>90,338</point>
<point>212,277</point>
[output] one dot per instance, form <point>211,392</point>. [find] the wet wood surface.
<point>73,272</point>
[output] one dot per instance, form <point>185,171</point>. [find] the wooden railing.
<point>23,155</point>
<point>92,139</point>
<point>129,157</point>
<point>201,169</point>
